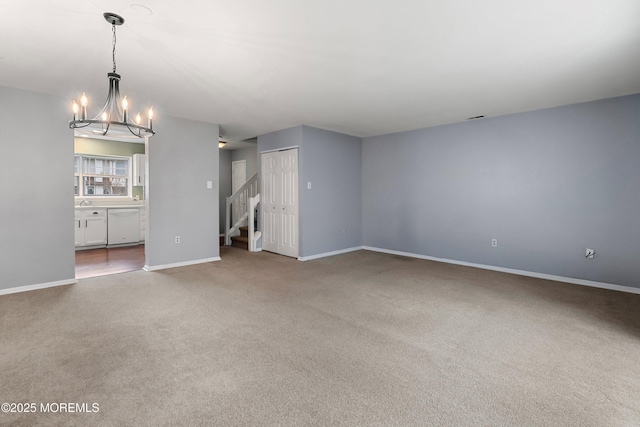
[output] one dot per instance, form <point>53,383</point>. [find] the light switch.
<point>209,184</point>
<point>309,185</point>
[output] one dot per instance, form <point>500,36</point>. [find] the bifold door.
<point>280,202</point>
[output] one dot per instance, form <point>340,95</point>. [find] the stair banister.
<point>249,189</point>
<point>254,235</point>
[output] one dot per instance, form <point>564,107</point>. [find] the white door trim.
<point>280,149</point>
<point>280,201</point>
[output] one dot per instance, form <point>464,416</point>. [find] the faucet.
<point>84,202</point>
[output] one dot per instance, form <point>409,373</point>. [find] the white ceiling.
<point>361,67</point>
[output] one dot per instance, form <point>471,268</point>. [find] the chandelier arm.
<point>140,129</point>
<point>136,130</point>
<point>134,134</point>
<point>73,124</point>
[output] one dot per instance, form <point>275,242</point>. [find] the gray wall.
<point>224,187</point>
<point>36,233</point>
<point>182,156</point>
<point>547,184</point>
<point>330,213</point>
<point>286,138</point>
<point>332,209</point>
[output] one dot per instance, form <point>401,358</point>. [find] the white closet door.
<point>269,204</point>
<point>280,202</point>
<point>288,174</point>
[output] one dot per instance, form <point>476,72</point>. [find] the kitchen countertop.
<point>123,206</point>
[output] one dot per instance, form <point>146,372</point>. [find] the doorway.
<point>105,261</point>
<point>238,179</point>
<point>280,202</point>
<point>110,207</point>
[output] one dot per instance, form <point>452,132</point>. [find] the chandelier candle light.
<point>114,116</point>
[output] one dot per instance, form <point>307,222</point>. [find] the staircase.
<point>242,206</point>
<point>241,241</point>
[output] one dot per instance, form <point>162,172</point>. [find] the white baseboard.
<point>571,280</point>
<point>326,254</point>
<point>38,286</point>
<point>179,264</point>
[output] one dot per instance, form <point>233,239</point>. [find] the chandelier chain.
<point>113,52</point>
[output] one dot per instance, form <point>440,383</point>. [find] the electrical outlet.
<point>494,243</point>
<point>590,253</point>
<point>177,239</point>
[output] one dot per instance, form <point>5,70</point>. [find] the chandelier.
<point>114,117</point>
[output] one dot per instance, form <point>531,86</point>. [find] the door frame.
<point>298,194</point>
<point>245,174</point>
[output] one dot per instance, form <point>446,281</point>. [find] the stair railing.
<point>254,235</point>
<point>239,201</point>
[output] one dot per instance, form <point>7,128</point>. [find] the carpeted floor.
<point>357,339</point>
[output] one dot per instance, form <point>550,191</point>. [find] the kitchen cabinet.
<point>90,227</point>
<point>139,169</point>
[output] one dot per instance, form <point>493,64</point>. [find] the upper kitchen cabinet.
<point>139,169</point>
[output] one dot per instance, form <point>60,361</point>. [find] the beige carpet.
<point>357,339</point>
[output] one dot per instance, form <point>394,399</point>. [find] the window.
<point>98,176</point>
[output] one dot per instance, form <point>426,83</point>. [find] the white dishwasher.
<point>123,226</point>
